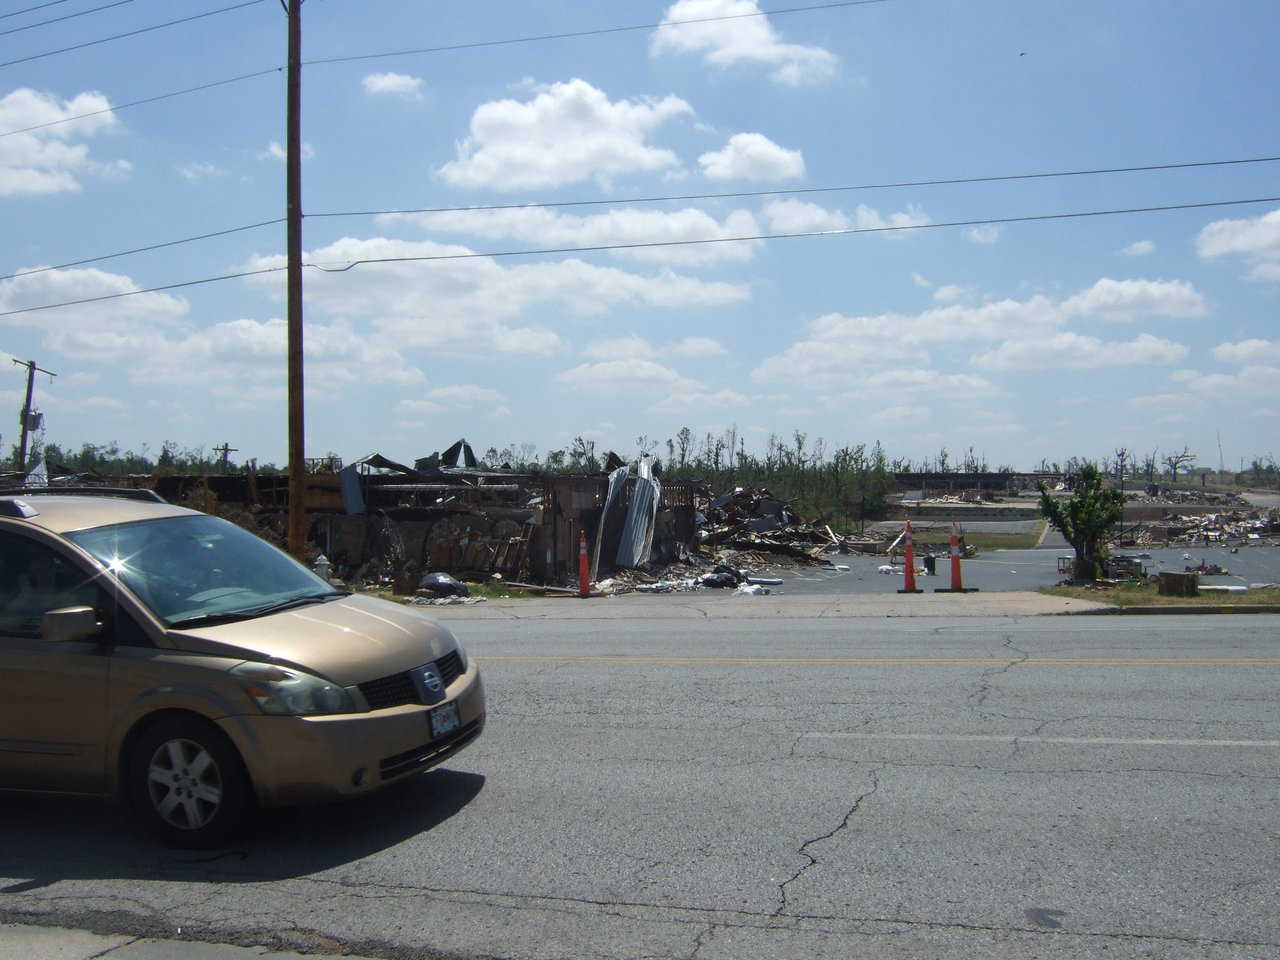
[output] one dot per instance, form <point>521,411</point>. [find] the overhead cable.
<point>590,33</point>
<point>131,33</point>
<point>38,6</point>
<point>846,231</point>
<point>154,246</point>
<point>802,190</point>
<point>134,103</point>
<point>462,46</point>
<point>69,16</point>
<point>692,196</point>
<point>989,221</point>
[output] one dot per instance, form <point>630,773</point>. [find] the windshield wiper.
<point>212,619</point>
<point>303,601</point>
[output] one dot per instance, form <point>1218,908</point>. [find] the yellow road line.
<point>902,661</point>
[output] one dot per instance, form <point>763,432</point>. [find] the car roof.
<point>67,513</point>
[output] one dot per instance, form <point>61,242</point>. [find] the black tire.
<point>187,784</point>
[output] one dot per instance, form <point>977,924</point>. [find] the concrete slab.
<point>53,943</point>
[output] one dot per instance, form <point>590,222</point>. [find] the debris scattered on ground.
<point>1231,528</point>
<point>752,518</point>
<point>443,601</point>
<point>441,585</point>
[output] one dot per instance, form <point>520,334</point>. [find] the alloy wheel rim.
<point>184,783</point>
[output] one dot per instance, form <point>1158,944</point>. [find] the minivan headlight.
<point>283,692</point>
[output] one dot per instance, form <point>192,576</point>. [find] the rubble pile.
<point>1225,498</point>
<point>1236,528</point>
<point>753,519</point>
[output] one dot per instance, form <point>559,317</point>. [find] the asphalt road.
<point>1065,787</point>
<point>1017,570</point>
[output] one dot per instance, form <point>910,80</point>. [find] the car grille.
<point>399,689</point>
<point>430,754</point>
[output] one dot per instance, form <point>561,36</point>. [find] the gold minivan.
<point>178,662</point>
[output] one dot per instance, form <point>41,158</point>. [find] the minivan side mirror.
<point>69,625</point>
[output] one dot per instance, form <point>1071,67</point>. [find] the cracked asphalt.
<point>978,787</point>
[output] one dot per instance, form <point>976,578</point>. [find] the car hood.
<point>349,641</point>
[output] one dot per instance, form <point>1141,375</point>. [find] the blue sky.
<point>1028,340</point>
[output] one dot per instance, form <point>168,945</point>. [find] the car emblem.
<point>430,684</point>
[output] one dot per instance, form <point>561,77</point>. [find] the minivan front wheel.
<point>187,783</point>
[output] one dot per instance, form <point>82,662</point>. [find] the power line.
<point>989,221</point>
<point>591,33</point>
<point>692,196</point>
<point>135,103</point>
<point>134,293</point>
<point>38,6</point>
<point>461,46</point>
<point>69,16</point>
<point>154,246</point>
<point>131,33</point>
<point>805,190</point>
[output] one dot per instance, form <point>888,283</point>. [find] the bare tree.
<point>1176,461</point>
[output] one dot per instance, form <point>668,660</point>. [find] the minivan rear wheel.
<point>187,783</point>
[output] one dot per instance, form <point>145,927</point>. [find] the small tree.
<point>1085,519</point>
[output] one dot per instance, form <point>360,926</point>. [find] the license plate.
<point>444,720</point>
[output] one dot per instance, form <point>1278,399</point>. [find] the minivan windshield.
<point>201,569</point>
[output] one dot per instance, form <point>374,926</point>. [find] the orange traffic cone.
<point>909,571</point>
<point>584,568</point>
<point>956,585</point>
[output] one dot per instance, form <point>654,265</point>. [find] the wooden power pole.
<point>293,203</point>
<point>26,419</point>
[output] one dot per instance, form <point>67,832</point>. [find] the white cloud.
<point>460,397</point>
<point>201,170</point>
<point>474,306</point>
<point>1163,401</point>
<point>1248,385</point>
<point>1256,239</point>
<point>568,133</point>
<point>544,228</point>
<point>45,161</point>
<point>949,292</point>
<point>920,281</point>
<point>752,156</point>
<point>1074,350</point>
<point>106,317</point>
<point>868,218</point>
<point>750,39</point>
<point>1248,352</point>
<point>275,151</point>
<point>397,84</point>
<point>1139,248</point>
<point>901,414</point>
<point>697,347</point>
<point>799,216</point>
<point>620,348</point>
<point>986,234</point>
<point>630,376</point>
<point>1123,301</point>
<point>698,401</point>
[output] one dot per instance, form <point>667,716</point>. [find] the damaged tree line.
<point>511,515</point>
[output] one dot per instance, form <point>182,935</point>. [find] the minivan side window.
<point>35,579</point>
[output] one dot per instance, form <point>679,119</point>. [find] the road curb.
<point>1196,608</point>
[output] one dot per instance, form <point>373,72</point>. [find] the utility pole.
<point>26,418</point>
<point>293,205</point>
<point>226,450</point>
